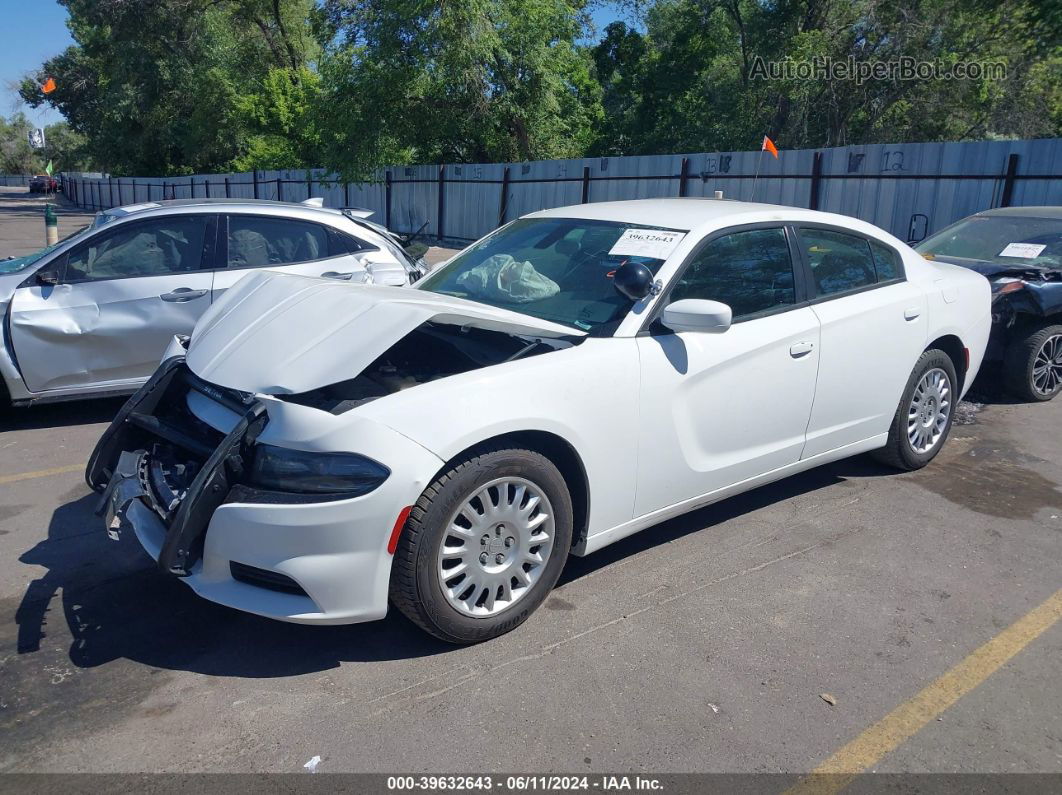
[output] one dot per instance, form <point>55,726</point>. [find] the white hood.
<point>280,334</point>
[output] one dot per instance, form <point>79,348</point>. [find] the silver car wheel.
<point>930,408</point>
<point>496,546</point>
<point>1047,366</point>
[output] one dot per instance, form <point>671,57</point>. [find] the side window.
<point>839,262</point>
<point>340,243</point>
<point>885,262</point>
<point>750,271</point>
<point>172,244</point>
<point>255,241</point>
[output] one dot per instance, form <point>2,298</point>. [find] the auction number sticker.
<point>654,243</point>
<point>1023,250</point>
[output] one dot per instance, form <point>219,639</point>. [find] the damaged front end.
<point>167,471</point>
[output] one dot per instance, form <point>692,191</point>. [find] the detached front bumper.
<point>177,482</point>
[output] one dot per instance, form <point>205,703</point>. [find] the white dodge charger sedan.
<point>320,449</point>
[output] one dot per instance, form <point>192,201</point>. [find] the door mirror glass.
<point>47,277</point>
<point>634,280</point>
<point>697,314</point>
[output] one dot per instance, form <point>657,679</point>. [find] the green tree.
<point>174,86</point>
<point>432,81</point>
<point>16,154</point>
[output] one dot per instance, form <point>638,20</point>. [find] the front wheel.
<point>1032,365</point>
<point>483,546</point>
<point>923,418</point>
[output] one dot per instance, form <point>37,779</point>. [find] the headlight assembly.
<point>302,472</point>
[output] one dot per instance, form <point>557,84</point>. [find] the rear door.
<point>873,331</point>
<point>292,245</point>
<point>120,297</point>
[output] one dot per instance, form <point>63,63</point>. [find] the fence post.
<point>503,205</point>
<point>442,203</point>
<point>346,194</point>
<point>206,187</point>
<point>110,189</point>
<point>309,184</point>
<point>191,188</point>
<point>684,175</point>
<point>816,181</point>
<point>387,198</point>
<point>254,178</point>
<point>586,184</point>
<point>227,188</point>
<point>1008,180</point>
<point>280,189</point>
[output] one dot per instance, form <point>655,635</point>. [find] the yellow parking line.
<point>903,722</point>
<point>40,473</point>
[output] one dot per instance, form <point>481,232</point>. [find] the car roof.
<point>217,205</point>
<point>694,214</point>
<point>1025,212</point>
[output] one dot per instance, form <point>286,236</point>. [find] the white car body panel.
<point>245,342</point>
<point>659,424</point>
<point>719,408</point>
<point>104,337</point>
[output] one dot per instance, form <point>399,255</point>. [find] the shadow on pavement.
<point>117,605</point>
<point>59,415</point>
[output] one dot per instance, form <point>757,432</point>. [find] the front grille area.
<point>270,580</point>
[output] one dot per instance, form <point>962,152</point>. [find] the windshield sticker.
<point>646,243</point>
<point>1023,250</point>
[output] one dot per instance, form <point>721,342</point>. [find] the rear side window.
<point>256,241</point>
<point>886,262</point>
<point>750,271</point>
<point>838,262</point>
<point>340,243</point>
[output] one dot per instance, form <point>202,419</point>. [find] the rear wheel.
<point>1032,366</point>
<point>483,546</point>
<point>923,418</point>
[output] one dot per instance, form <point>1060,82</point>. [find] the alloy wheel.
<point>931,405</point>
<point>1047,366</point>
<point>496,546</point>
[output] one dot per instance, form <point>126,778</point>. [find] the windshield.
<point>1007,239</point>
<point>557,269</point>
<point>16,264</point>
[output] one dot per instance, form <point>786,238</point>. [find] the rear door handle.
<point>334,275</point>
<point>798,349</point>
<point>911,313</point>
<point>182,294</point>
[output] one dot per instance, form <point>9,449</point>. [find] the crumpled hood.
<point>280,334</point>
<point>990,269</point>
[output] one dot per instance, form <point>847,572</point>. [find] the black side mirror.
<point>634,280</point>
<point>47,278</point>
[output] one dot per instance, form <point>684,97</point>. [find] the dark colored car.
<point>42,183</point>
<point>1019,250</point>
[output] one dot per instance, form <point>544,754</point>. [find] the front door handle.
<point>911,313</point>
<point>798,349</point>
<point>334,275</point>
<point>183,294</point>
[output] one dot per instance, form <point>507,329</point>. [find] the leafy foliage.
<point>182,86</point>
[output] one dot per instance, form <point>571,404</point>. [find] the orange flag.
<point>768,145</point>
<point>49,85</point>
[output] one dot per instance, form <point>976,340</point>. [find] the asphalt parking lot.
<point>705,644</point>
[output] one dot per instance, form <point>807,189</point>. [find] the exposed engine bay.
<point>428,353</point>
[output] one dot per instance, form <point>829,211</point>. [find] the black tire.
<point>1020,359</point>
<point>898,451</point>
<point>416,587</point>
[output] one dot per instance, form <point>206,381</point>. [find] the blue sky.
<point>35,30</point>
<point>32,32</point>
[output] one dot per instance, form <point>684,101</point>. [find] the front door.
<point>121,296</point>
<point>718,409</point>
